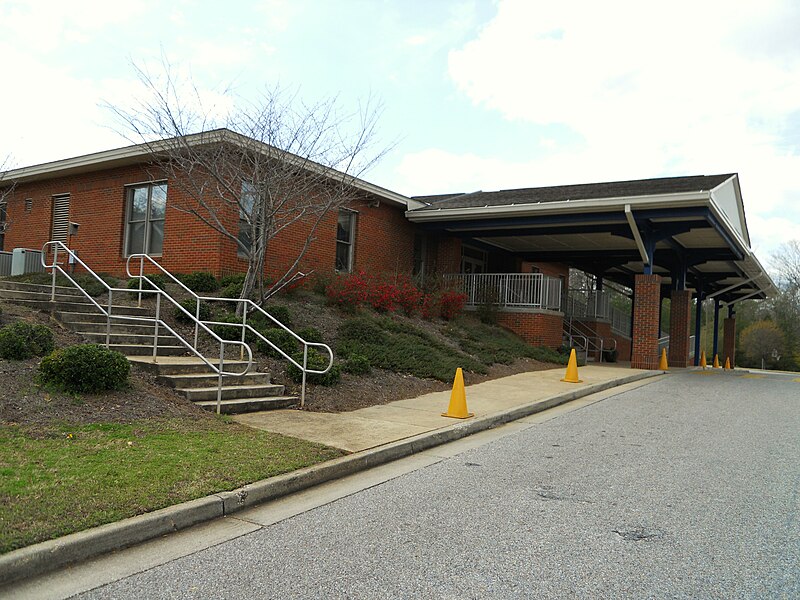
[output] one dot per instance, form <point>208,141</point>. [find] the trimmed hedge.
<point>200,282</point>
<point>281,338</point>
<point>85,368</point>
<point>22,340</point>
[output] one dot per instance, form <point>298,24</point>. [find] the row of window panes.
<point>146,213</point>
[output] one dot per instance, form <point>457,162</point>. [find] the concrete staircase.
<point>174,366</point>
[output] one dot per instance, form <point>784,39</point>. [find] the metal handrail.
<point>157,321</point>
<point>594,342</point>
<point>244,325</point>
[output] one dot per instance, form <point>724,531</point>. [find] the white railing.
<point>596,304</point>
<point>524,290</point>
<point>575,331</point>
<point>248,307</point>
<point>157,322</point>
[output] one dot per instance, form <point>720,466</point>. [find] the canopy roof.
<point>689,225</point>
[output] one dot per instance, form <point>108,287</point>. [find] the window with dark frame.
<point>144,218</point>
<point>345,238</point>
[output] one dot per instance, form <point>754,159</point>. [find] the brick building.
<point>672,238</point>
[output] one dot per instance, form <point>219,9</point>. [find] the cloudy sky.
<point>477,94</point>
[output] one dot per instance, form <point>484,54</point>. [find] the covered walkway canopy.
<point>688,232</point>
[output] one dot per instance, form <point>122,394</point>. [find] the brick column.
<point>644,337</point>
<point>681,307</point>
<point>729,340</point>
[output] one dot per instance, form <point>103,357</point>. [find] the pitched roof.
<point>583,191</point>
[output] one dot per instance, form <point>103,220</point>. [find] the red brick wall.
<point>536,328</point>
<point>448,256</point>
<point>646,308</point>
<point>384,237</point>
<point>623,346</point>
<point>729,341</point>
<point>681,307</point>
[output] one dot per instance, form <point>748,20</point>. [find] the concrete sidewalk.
<point>374,426</point>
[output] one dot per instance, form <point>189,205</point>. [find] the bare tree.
<point>264,167</point>
<point>6,189</point>
<point>787,261</point>
<point>762,341</point>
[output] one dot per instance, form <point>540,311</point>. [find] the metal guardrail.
<point>596,304</point>
<point>249,306</point>
<point>593,341</point>
<point>523,290</point>
<point>157,322</point>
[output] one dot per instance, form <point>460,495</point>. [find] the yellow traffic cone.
<point>703,363</point>
<point>727,363</point>
<point>458,399</point>
<point>572,369</point>
<point>663,365</point>
<point>716,361</point>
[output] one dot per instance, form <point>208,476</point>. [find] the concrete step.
<point>10,295</point>
<point>183,365</point>
<point>117,326</point>
<point>5,284</point>
<point>130,350</point>
<point>79,307</point>
<point>245,405</point>
<point>232,392</point>
<point>69,317</point>
<point>205,380</point>
<point>130,338</point>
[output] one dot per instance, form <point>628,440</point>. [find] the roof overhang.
<point>695,232</point>
<point>143,153</point>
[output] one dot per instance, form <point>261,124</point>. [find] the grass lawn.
<point>66,478</point>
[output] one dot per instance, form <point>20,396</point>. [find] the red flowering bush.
<point>451,304</point>
<point>349,291</point>
<point>429,307</point>
<point>383,296</point>
<point>408,297</point>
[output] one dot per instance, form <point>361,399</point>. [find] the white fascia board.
<point>562,207</point>
<point>140,152</point>
<point>737,190</point>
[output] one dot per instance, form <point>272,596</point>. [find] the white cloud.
<point>684,88</point>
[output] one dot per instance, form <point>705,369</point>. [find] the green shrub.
<point>357,364</point>
<point>92,286</point>
<point>310,334</point>
<point>85,368</point>
<point>199,282</point>
<point>281,313</point>
<point>191,306</point>
<point>234,278</point>
<point>402,348</point>
<point>228,332</point>
<point>281,338</point>
<point>232,290</point>
<point>159,279</point>
<point>318,361</point>
<point>21,340</point>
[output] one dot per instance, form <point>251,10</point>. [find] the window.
<point>3,217</point>
<point>246,204</point>
<point>144,218</point>
<point>345,238</point>
<point>420,257</point>
<point>473,260</point>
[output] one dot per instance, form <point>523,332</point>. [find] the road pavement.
<point>685,487</point>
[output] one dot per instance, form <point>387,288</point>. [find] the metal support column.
<point>698,317</point>
<point>716,325</point>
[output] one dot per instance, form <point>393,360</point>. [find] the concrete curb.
<point>54,554</point>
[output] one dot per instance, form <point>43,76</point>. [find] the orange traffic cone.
<point>572,369</point>
<point>716,361</point>
<point>458,399</point>
<point>663,365</point>
<point>703,363</point>
<point>727,363</point>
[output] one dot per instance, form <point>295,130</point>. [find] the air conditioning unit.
<point>5,264</point>
<point>25,260</point>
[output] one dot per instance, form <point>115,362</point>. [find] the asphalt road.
<point>687,487</point>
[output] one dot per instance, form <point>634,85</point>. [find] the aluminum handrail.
<point>157,321</point>
<point>244,325</point>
